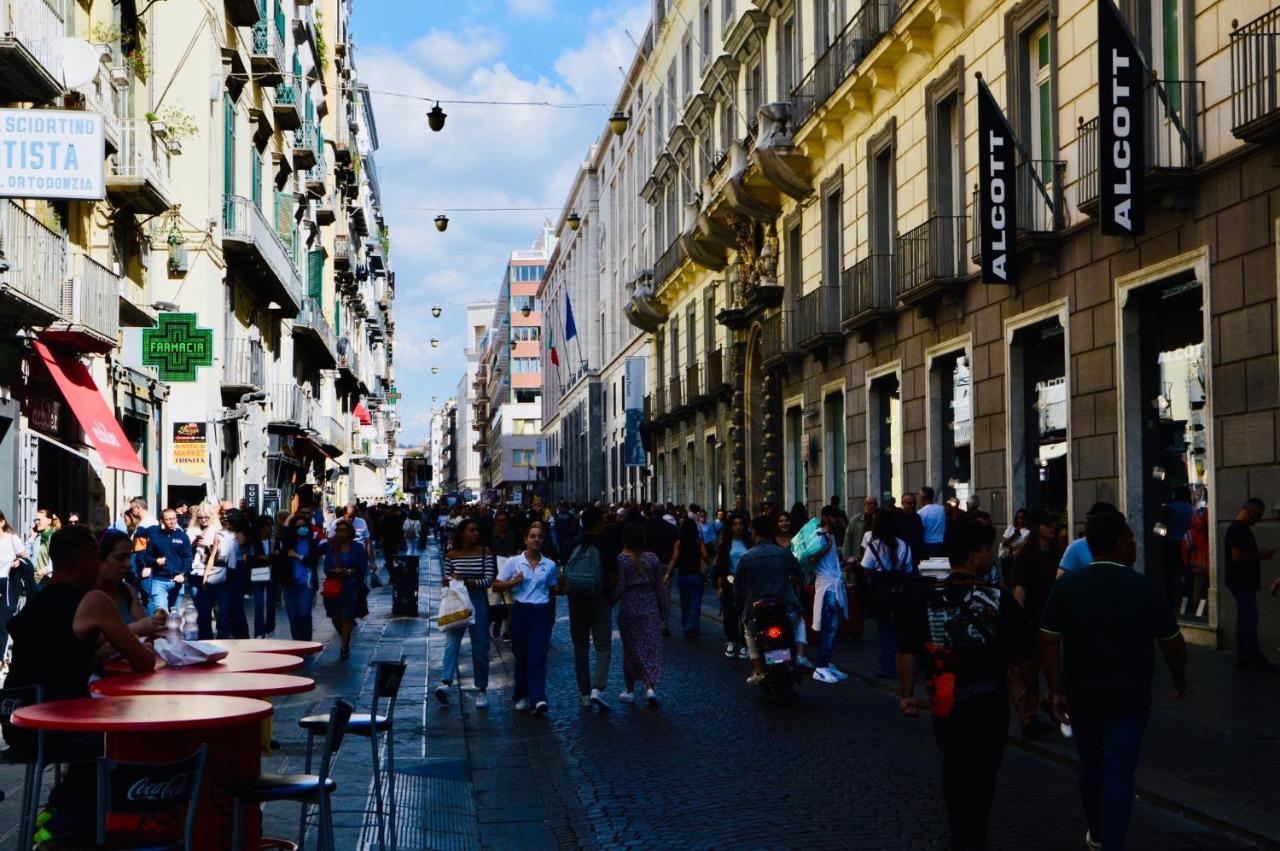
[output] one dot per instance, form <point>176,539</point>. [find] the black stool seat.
<point>284,787</point>
<point>361,723</point>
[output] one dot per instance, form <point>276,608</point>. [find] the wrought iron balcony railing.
<point>834,66</point>
<point>1255,78</point>
<point>870,290</point>
<point>930,254</point>
<point>818,316</point>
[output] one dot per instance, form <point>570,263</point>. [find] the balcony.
<point>242,365</point>
<point>317,177</point>
<point>1255,79</point>
<point>693,388</point>
<point>290,406</point>
<point>778,340</point>
<point>304,146</point>
<point>243,13</point>
<point>871,21</point>
<point>869,294</point>
<point>267,56</point>
<point>671,260</point>
<point>31,33</point>
<point>138,173</point>
<point>98,95</point>
<point>1040,214</point>
<point>818,318</point>
<point>932,261</point>
<point>1175,132</point>
<point>343,254</point>
<point>251,243</point>
<point>90,314</point>
<point>337,435</point>
<point>311,328</point>
<point>31,286</point>
<point>348,360</point>
<point>286,106</point>
<point>719,379</point>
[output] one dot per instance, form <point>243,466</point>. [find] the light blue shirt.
<point>1076,556</point>
<point>934,518</point>
<point>736,549</point>
<point>538,579</point>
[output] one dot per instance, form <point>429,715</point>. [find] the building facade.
<point>819,319</point>
<point>204,296</point>
<point>479,315</point>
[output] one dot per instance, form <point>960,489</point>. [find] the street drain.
<point>435,808</point>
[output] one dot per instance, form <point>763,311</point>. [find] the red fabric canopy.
<point>362,414</point>
<point>91,410</point>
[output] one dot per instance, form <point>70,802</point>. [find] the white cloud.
<point>530,8</point>
<point>486,156</point>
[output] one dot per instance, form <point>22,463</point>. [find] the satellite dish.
<point>80,61</point>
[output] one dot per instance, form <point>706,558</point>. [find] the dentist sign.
<point>51,153</point>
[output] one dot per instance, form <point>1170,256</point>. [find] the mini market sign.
<point>177,347</point>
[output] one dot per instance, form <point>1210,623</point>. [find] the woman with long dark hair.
<point>735,539</point>
<point>475,565</point>
<point>785,529</point>
<point>531,578</point>
<point>641,599</point>
<point>115,549</point>
<point>688,565</point>
<point>347,563</point>
<point>888,563</point>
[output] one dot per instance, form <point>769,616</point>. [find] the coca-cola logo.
<point>148,789</point>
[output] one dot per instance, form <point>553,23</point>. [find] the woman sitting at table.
<point>115,548</point>
<point>55,640</point>
<point>347,564</point>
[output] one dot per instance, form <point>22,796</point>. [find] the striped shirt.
<point>478,570</point>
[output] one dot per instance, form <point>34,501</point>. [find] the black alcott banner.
<point>997,198</point>
<point>1121,126</point>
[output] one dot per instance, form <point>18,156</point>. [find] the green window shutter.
<point>284,219</point>
<point>315,274</point>
<point>279,15</point>
<point>228,149</point>
<point>337,316</point>
<point>255,160</point>
<point>1172,51</point>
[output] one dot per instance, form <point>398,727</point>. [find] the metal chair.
<point>303,788</point>
<point>387,677</point>
<point>146,789</point>
<point>11,700</point>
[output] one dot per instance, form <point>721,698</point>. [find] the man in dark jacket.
<point>767,570</point>
<point>165,562</point>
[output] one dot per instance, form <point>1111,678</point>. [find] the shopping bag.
<point>806,542</point>
<point>499,598</point>
<point>455,608</point>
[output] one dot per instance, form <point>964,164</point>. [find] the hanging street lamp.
<point>442,222</point>
<point>436,117</point>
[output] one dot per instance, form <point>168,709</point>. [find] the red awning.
<point>362,414</point>
<point>91,409</point>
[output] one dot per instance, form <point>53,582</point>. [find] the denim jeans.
<point>1108,748</point>
<point>479,643</point>
<point>831,614</point>
<point>160,593</point>
<point>591,622</point>
<point>1246,624</point>
<point>530,637</point>
<point>298,602</point>
<point>691,587</point>
<point>265,597</point>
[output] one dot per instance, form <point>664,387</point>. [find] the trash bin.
<point>404,586</point>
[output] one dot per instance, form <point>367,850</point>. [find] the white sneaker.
<point>584,700</point>
<point>652,697</point>
<point>541,708</point>
<point>627,697</point>
<point>442,693</point>
<point>823,675</point>
<point>840,675</point>
<point>598,700</point>
<point>729,650</point>
<point>482,701</point>
<point>1090,843</point>
<point>522,705</point>
<point>742,653</point>
<point>803,662</point>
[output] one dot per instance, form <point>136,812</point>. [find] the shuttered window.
<point>255,160</point>
<point>229,150</point>
<point>315,274</point>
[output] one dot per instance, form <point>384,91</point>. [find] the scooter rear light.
<point>774,632</point>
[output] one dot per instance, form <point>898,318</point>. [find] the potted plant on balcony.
<point>179,124</point>
<point>158,127</point>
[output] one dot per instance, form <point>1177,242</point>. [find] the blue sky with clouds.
<point>487,156</point>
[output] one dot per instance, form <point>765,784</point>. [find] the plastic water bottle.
<point>172,622</point>
<point>190,623</point>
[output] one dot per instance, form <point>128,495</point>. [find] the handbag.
<point>499,598</point>
<point>332,587</point>
<point>215,574</point>
<point>260,574</point>
<point>455,610</point>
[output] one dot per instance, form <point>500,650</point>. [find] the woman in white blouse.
<point>531,578</point>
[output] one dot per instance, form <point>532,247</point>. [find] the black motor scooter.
<point>775,638</point>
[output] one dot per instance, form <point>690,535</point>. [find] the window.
<point>709,321</point>
<point>1032,101</point>
<point>786,57</point>
<point>883,210</point>
<point>755,93</point>
<point>526,333</point>
<point>524,458</point>
<point>704,32</point>
<point>884,438</point>
<point>525,366</point>
<point>657,121</point>
<point>795,262</point>
<point>793,450</point>
<point>524,426</point>
<point>1038,418</point>
<point>520,302</point>
<point>951,426</point>
<point>944,128</point>
<point>827,22</point>
<point>833,445</point>
<point>1039,95</point>
<point>673,90</point>
<point>691,334</point>
<point>686,60</point>
<point>726,125</point>
<point>833,231</point>
<point>726,13</point>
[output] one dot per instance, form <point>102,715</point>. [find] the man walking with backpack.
<point>590,572</point>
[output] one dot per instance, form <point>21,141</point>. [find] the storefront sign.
<point>997,198</point>
<point>176,347</point>
<point>43,413</point>
<point>191,447</point>
<point>270,501</point>
<point>51,153</point>
<point>1121,126</point>
<point>633,408</point>
<point>252,497</point>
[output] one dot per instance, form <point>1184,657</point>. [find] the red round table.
<point>234,662</point>
<point>184,681</point>
<point>268,645</point>
<point>165,728</point>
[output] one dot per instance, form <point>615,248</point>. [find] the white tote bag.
<point>455,610</point>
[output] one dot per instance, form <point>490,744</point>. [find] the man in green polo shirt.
<point>1109,618</point>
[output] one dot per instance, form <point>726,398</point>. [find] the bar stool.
<point>386,684</point>
<point>11,700</point>
<point>172,788</point>
<point>303,788</point>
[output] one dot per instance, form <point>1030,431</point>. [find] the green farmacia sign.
<point>176,347</point>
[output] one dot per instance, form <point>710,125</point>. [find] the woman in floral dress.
<point>641,600</point>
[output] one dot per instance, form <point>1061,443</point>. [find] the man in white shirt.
<point>934,518</point>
